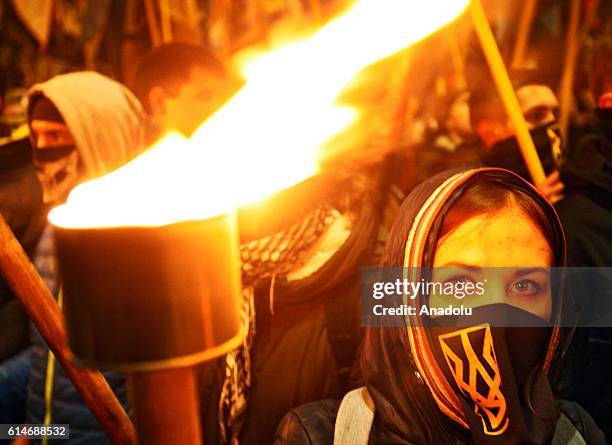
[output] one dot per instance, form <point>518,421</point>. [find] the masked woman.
<point>465,379</point>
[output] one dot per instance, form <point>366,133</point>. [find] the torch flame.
<point>269,136</point>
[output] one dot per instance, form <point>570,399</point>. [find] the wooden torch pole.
<point>166,406</point>
<point>166,21</point>
<point>506,92</point>
<point>524,29</point>
<point>567,79</point>
<point>46,315</point>
<point>154,32</point>
<point>457,58</point>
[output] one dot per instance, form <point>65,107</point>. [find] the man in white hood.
<point>82,125</point>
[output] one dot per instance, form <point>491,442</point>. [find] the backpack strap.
<point>355,418</point>
<point>566,433</point>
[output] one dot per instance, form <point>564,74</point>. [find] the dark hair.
<point>170,66</point>
<point>486,194</point>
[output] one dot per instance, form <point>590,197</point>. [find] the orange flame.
<point>268,136</point>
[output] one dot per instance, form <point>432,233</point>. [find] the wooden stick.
<point>154,33</point>
<point>191,11</point>
<point>166,407</point>
<point>506,92</point>
<point>524,29</point>
<point>166,21</point>
<point>46,315</point>
<point>589,15</point>
<point>191,15</point>
<point>567,78</point>
<point>457,58</point>
<point>403,122</point>
<point>400,116</point>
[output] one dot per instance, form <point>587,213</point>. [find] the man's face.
<point>199,97</point>
<point>539,106</point>
<point>55,159</point>
<point>50,134</point>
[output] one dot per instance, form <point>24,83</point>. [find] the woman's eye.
<point>526,287</point>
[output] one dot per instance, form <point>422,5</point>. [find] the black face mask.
<point>497,373</point>
<point>605,121</point>
<point>507,153</point>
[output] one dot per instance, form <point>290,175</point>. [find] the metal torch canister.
<point>150,298</point>
<point>153,301</point>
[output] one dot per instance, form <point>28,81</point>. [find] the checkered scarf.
<point>268,257</point>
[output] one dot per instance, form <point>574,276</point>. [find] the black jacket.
<point>313,424</point>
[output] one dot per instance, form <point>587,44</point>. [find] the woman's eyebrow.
<point>469,267</point>
<point>530,270</point>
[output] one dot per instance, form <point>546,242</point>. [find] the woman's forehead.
<point>506,238</point>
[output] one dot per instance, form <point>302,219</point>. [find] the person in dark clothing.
<point>586,210</point>
<point>300,254</point>
<point>586,215</point>
<point>301,257</point>
<point>415,390</point>
<point>587,171</point>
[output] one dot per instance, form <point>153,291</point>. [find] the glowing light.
<point>269,136</point>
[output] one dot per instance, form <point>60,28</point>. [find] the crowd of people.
<point>308,372</point>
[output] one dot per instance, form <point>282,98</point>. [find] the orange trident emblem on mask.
<point>477,374</point>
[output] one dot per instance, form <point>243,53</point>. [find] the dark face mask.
<point>605,121</point>
<point>507,153</point>
<point>58,172</point>
<point>497,372</point>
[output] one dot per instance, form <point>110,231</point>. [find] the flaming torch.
<point>148,253</point>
